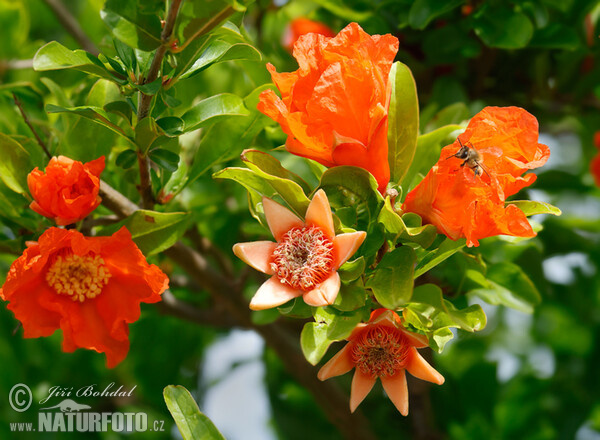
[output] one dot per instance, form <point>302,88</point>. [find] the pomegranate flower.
<point>334,108</point>
<point>595,163</point>
<point>89,287</point>
<point>304,260</point>
<point>381,348</point>
<point>67,191</point>
<point>464,196</point>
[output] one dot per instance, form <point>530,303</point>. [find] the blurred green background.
<point>526,376</point>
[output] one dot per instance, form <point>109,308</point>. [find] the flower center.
<point>303,258</point>
<point>380,351</point>
<point>79,277</point>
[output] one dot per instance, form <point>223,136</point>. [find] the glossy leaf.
<point>314,341</point>
<point>14,165</point>
<point>192,424</point>
<point>444,251</point>
<point>393,280</point>
<point>129,24</point>
<point>126,159</point>
<point>403,121</point>
<point>504,28</point>
<point>165,159</point>
<point>531,207</point>
<point>95,114</point>
<point>55,56</point>
<point>219,51</point>
<point>213,109</point>
<point>259,160</point>
<point>396,228</point>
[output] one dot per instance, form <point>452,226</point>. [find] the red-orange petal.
<point>256,254</point>
<point>272,293</point>
<point>420,368</point>
<point>339,364</point>
<point>319,214</point>
<point>397,390</point>
<point>325,293</point>
<point>362,384</point>
<point>279,218</point>
<point>346,245</point>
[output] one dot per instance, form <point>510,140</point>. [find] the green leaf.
<point>396,228</point>
<point>296,308</point>
<point>95,114</point>
<point>146,132</point>
<point>266,185</point>
<point>339,324</point>
<point>259,160</point>
<point>54,56</point>
<point>150,88</point>
<point>403,120</point>
<point>446,250</point>
<point>126,159</point>
<point>430,312</point>
<point>503,27</point>
<point>14,165</point>
<point>219,51</point>
<point>129,24</point>
<point>351,270</point>
<point>121,108</point>
<point>508,285</point>
<point>393,280</point>
<point>165,159</point>
<point>126,55</point>
<point>351,296</point>
<point>227,139</point>
<point>153,231</point>
<point>423,11</point>
<point>213,109</point>
<point>556,36</point>
<point>530,207</point>
<point>171,125</point>
<point>314,341</point>
<point>192,424</point>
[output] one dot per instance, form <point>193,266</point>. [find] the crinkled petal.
<point>257,254</point>
<point>420,368</point>
<point>397,390</point>
<point>339,364</point>
<point>325,293</point>
<point>319,214</point>
<point>280,219</point>
<point>361,385</point>
<point>346,245</point>
<point>272,293</point>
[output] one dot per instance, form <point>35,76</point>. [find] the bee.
<point>471,158</point>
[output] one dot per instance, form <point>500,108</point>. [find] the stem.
<point>211,24</point>
<point>72,26</point>
<point>26,119</point>
<point>145,101</point>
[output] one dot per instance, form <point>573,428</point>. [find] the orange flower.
<point>304,260</point>
<point>334,108</point>
<point>67,191</point>
<point>89,287</point>
<point>381,348</point>
<point>595,169</point>
<point>302,26</point>
<point>464,200</point>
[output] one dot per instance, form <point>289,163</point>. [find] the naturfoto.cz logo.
<point>71,416</point>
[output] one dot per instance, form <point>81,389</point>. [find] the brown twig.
<point>71,25</point>
<point>28,122</point>
<point>145,187</point>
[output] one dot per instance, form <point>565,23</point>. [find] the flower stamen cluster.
<point>80,277</point>
<point>380,351</point>
<point>303,258</point>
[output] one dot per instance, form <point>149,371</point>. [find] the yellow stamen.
<point>79,277</point>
